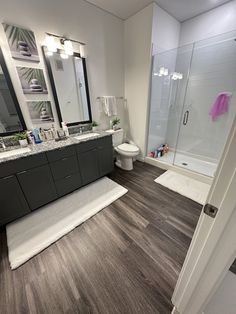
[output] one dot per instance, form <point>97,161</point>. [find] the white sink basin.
<point>14,152</point>
<point>85,136</point>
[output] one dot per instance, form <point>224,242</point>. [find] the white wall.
<point>214,22</point>
<point>102,32</point>
<point>165,30</point>
<point>138,39</point>
<point>151,26</point>
<point>223,301</point>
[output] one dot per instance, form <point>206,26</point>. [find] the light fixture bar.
<point>63,37</point>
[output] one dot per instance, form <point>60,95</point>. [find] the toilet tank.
<point>117,136</point>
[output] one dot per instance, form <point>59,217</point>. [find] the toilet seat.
<point>128,148</point>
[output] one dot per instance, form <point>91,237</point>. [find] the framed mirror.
<point>70,89</point>
<point>11,118</point>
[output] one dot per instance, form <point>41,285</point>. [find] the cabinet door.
<point>105,160</point>
<point>12,201</point>
<point>38,186</point>
<point>88,164</point>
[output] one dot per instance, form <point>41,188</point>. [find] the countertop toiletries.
<point>42,135</point>
<point>54,131</point>
<point>30,137</point>
<point>65,129</point>
<point>37,139</point>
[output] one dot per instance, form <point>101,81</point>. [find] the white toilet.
<point>125,152</point>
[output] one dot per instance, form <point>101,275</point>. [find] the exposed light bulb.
<point>68,47</point>
<point>51,45</point>
<point>162,71</point>
<point>82,51</point>
<point>49,53</point>
<point>64,55</point>
<point>166,72</point>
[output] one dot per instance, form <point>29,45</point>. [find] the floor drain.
<point>184,164</point>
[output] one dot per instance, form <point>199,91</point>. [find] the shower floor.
<point>190,163</point>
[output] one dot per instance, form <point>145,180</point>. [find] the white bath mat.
<point>184,185</point>
<point>31,234</point>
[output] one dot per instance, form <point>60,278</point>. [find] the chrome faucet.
<point>2,143</point>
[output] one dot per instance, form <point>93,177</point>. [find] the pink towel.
<point>220,106</point>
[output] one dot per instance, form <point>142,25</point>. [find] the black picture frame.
<point>13,95</point>
<point>53,86</point>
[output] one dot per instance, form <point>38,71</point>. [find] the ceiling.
<point>180,9</point>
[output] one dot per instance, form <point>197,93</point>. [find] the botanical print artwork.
<point>22,43</point>
<point>40,112</point>
<point>32,80</point>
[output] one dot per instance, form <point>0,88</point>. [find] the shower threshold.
<point>189,163</point>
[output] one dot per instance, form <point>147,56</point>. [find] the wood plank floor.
<point>126,259</point>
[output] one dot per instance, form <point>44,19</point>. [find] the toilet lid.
<point>128,148</point>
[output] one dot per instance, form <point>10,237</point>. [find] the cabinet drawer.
<point>88,164</point>
<point>22,164</point>
<point>86,146</point>
<point>68,184</point>
<point>64,167</point>
<point>61,153</point>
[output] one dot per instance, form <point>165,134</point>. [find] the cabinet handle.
<point>22,172</point>
<point>8,177</point>
<point>67,177</point>
<point>63,159</point>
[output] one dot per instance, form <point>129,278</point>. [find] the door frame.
<point>213,247</point>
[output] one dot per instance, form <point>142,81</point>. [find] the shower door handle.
<point>185,119</point>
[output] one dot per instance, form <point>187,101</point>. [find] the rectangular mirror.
<point>11,118</point>
<point>69,84</point>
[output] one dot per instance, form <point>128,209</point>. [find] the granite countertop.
<point>50,145</point>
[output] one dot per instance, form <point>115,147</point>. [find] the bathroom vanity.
<point>49,171</point>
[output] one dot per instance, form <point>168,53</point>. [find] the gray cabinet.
<point>30,182</point>
<point>68,184</point>
<point>12,201</point>
<point>95,158</point>
<point>65,169</point>
<point>105,155</point>
<point>38,186</point>
<point>88,164</point>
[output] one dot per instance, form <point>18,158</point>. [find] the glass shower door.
<point>167,97</point>
<point>212,71</point>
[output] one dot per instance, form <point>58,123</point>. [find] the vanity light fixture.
<point>67,46</point>
<point>82,51</point>
<point>51,45</point>
<point>176,76</point>
<point>162,72</point>
<point>66,42</point>
<point>64,55</point>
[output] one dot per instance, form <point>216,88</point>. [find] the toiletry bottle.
<point>54,132</point>
<point>65,129</point>
<point>42,135</point>
<point>37,139</point>
<point>30,137</point>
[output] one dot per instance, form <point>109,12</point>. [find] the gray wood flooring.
<point>126,259</point>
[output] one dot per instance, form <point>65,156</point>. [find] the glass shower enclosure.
<point>186,82</point>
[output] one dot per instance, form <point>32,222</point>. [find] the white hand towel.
<point>109,105</point>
